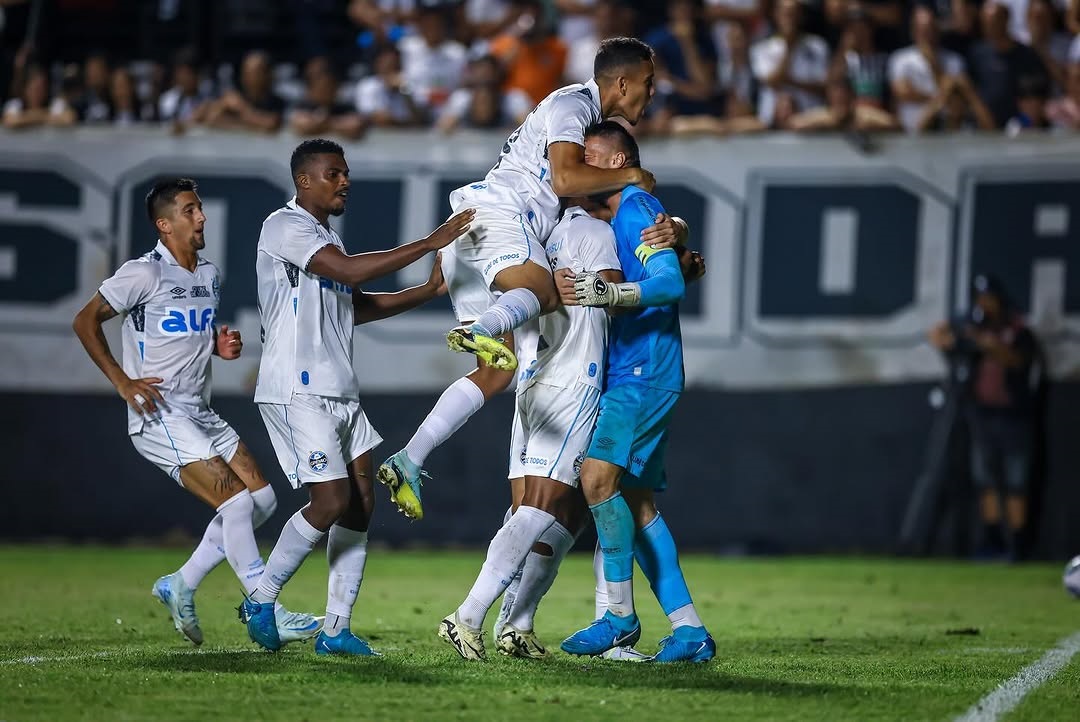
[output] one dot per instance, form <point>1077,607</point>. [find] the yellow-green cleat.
<point>403,478</point>
<point>489,350</point>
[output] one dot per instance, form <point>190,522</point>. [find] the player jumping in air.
<point>170,299</point>
<point>307,389</point>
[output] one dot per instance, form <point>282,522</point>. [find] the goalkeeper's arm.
<point>663,286</point>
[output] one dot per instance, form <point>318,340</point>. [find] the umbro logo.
<point>178,292</point>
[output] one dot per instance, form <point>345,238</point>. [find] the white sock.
<point>457,404</point>
<point>511,589</point>
<point>211,549</point>
<point>538,575</point>
<point>685,616</point>
<point>601,582</point>
<point>298,538</point>
<point>346,552</point>
<point>238,538</point>
<point>506,553</point>
<point>512,309</point>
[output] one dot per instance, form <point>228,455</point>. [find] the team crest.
<point>577,464</point>
<point>317,461</point>
<point>522,457</point>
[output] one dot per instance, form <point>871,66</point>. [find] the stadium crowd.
<point>723,66</point>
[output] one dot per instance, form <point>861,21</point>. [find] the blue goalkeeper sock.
<point>658,558</point>
<point>615,530</point>
<point>511,309</point>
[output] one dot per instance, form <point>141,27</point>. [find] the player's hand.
<point>692,264</point>
<point>228,343</point>
<point>664,233</point>
<point>645,180</point>
<point>436,281</point>
<point>142,394</point>
<point>457,225</point>
<point>592,290</point>
<point>564,283</point>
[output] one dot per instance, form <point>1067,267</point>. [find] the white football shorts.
<point>495,241</point>
<point>556,425</point>
<point>172,441</point>
<point>315,437</point>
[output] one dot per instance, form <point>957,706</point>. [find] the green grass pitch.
<point>798,639</point>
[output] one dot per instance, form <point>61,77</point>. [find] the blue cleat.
<point>345,644</point>
<point>403,478</point>
<point>686,644</point>
<point>261,623</point>
<point>607,632</point>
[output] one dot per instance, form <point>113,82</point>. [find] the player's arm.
<point>140,394</point>
<point>331,262</point>
<point>369,307</point>
<point>571,176</point>
<point>666,232</point>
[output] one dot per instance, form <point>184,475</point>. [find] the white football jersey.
<point>307,320</point>
<point>169,328</point>
<point>520,182</point>
<point>573,339</point>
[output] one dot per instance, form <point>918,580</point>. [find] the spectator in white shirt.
<point>384,98</point>
<point>916,72</point>
<point>432,62</point>
<point>792,64</point>
<point>33,108</point>
<point>482,103</point>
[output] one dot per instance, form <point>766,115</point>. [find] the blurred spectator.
<point>999,64</point>
<point>577,20</point>
<point>957,22</point>
<point>886,17</point>
<point>955,107</point>
<point>1072,19</point>
<point>381,21</point>
<point>722,15</point>
<point>321,112</point>
<point>93,105</point>
<point>1005,370</point>
<point>533,58</point>
<point>842,112</point>
<point>791,66</point>
<point>686,64</point>
<point>431,60</point>
<point>917,72</point>
<point>188,93</point>
<point>1019,28</point>
<point>1051,46</point>
<point>738,86</point>
<point>859,59</point>
<point>609,20</point>
<point>254,106</point>
<point>481,20</point>
<point>383,98</point>
<point>1031,95</point>
<point>126,108</point>
<point>1064,112</point>
<point>482,103</point>
<point>33,107</point>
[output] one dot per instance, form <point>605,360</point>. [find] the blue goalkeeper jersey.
<point>645,344</point>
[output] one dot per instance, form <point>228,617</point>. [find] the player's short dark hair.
<point>613,131</point>
<point>309,148</point>
<point>164,193</point>
<point>617,54</point>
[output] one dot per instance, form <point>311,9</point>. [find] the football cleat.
<point>261,623</point>
<point>625,654</point>
<point>469,643</point>
<point>522,643</point>
<point>489,350</point>
<point>296,626</point>
<point>404,479</point>
<point>345,644</point>
<point>607,632</point>
<point>686,644</point>
<point>173,592</point>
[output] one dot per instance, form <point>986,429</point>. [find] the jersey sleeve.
<point>130,286</point>
<point>291,239</point>
<point>663,283</point>
<point>568,117</point>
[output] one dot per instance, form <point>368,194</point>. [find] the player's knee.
<point>330,506</point>
<point>491,381</point>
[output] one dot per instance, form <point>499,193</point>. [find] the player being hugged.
<point>307,389</point>
<point>169,297</point>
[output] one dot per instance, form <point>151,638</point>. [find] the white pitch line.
<point>102,655</point>
<point>1009,693</point>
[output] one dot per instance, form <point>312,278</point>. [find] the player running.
<point>644,381</point>
<point>307,389</point>
<point>170,299</point>
<point>498,274</point>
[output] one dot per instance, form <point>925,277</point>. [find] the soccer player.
<point>307,389</point>
<point>498,275</point>
<point>170,299</point>
<point>644,381</point>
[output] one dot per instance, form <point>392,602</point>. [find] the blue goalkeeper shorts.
<point>631,432</point>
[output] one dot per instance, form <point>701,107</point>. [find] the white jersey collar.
<point>299,208</point>
<point>167,255</point>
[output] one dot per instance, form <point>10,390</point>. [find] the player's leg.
<point>516,476</point>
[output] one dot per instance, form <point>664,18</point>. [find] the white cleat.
<point>522,643</point>
<point>296,626</point>
<point>173,592</point>
<point>468,642</point>
<point>625,654</point>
